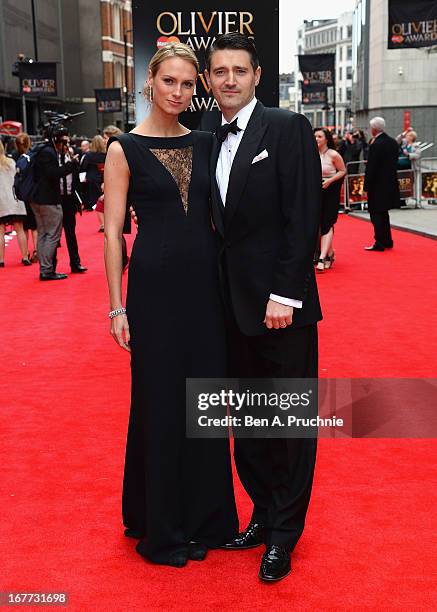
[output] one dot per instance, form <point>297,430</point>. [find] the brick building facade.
<point>87,40</point>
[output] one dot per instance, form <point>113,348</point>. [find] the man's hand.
<point>133,215</point>
<point>277,315</point>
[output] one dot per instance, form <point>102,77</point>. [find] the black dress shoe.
<point>78,269</point>
<point>374,247</point>
<point>133,533</point>
<point>250,538</point>
<point>197,551</point>
<point>26,262</point>
<point>275,564</point>
<point>52,276</point>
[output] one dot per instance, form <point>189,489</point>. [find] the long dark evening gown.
<point>175,489</point>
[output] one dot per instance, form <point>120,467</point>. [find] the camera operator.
<point>69,186</point>
<point>46,202</point>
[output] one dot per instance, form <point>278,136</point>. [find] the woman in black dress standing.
<point>93,164</point>
<point>177,492</point>
<point>333,173</point>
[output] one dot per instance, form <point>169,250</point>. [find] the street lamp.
<point>126,77</point>
<point>22,59</point>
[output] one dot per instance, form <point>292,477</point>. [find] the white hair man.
<point>381,183</point>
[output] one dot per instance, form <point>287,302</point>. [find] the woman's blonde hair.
<point>111,130</point>
<point>98,144</point>
<point>168,51</point>
<point>413,134</point>
<point>5,162</point>
<point>23,143</point>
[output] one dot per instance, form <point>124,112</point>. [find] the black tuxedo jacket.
<point>268,229</point>
<point>381,181</point>
<point>48,172</point>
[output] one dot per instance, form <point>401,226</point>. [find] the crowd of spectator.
<point>59,177</point>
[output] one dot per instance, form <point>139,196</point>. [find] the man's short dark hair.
<point>237,42</point>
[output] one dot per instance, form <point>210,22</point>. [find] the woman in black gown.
<point>177,492</point>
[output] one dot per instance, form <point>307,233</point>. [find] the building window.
<point>349,72</point>
<point>340,32</point>
<point>116,30</point>
<point>349,94</point>
<point>349,31</point>
<point>319,120</point>
<point>118,74</point>
<point>349,53</point>
<point>340,73</point>
<point>341,54</point>
<point>340,95</point>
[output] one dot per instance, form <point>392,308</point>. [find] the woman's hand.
<point>133,215</point>
<point>120,331</point>
<point>326,183</point>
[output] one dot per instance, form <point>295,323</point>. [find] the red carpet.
<point>370,539</point>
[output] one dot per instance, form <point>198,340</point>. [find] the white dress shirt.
<point>223,171</point>
<point>68,177</point>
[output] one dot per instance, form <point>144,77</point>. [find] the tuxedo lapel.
<point>216,200</point>
<point>243,160</point>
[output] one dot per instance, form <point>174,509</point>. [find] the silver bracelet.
<point>116,312</point>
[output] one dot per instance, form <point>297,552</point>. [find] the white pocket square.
<point>260,156</point>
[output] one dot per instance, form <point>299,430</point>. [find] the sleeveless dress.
<point>330,197</point>
<point>175,489</point>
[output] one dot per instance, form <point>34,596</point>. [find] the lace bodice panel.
<point>179,162</point>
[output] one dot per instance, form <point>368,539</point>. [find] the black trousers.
<point>69,209</point>
<point>276,473</point>
<point>382,229</point>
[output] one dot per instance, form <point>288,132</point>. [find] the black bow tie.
<point>223,130</point>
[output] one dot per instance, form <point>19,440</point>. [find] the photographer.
<point>46,201</point>
<point>350,148</point>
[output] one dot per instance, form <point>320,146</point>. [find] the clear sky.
<point>292,14</point>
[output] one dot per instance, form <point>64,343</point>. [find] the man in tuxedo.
<point>381,183</point>
<point>266,186</point>
<point>69,185</point>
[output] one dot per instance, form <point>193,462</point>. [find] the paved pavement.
<point>421,221</point>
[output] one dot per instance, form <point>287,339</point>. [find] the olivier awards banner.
<point>314,94</point>
<point>37,78</point>
<point>108,100</point>
<point>429,185</point>
<point>158,22</point>
<point>318,72</point>
<point>356,188</point>
<point>406,184</point>
<point>412,23</point>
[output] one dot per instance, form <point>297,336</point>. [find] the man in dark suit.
<point>266,186</point>
<point>46,205</point>
<point>69,186</point>
<point>381,183</point>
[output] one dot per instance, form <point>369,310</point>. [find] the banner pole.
<point>23,107</point>
<point>335,97</point>
<point>35,47</point>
